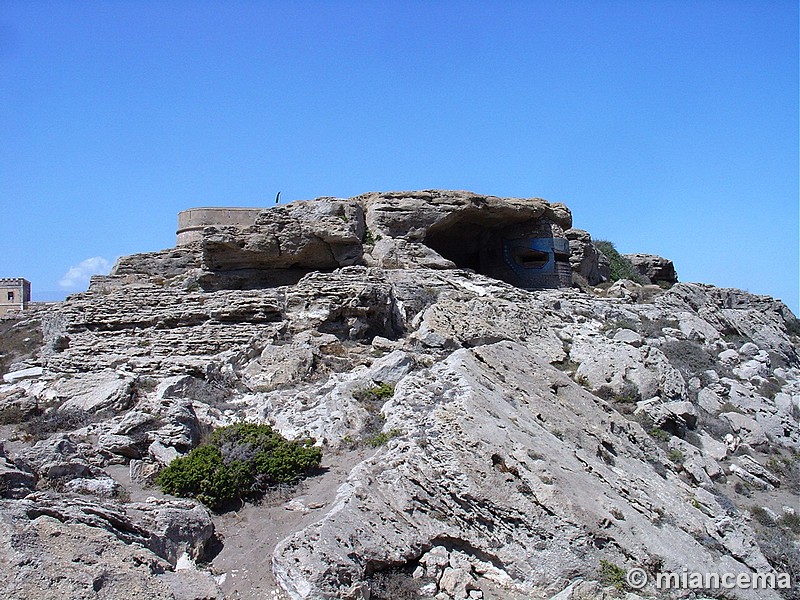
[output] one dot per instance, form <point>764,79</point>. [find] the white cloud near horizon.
<point>77,277</point>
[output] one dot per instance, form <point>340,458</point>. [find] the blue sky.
<point>668,127</point>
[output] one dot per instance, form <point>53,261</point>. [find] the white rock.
<point>105,487</point>
<point>748,349</point>
<point>715,449</point>
<point>747,428</point>
<point>95,391</point>
<point>709,400</point>
<point>629,337</point>
<point>161,453</point>
<point>185,563</point>
<point>750,369</point>
<point>23,374</point>
<point>729,357</point>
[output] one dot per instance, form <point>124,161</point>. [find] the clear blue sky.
<point>668,127</point>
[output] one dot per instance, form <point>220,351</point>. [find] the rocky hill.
<point>480,440</point>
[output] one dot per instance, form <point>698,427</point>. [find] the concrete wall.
<point>192,222</point>
<point>15,294</point>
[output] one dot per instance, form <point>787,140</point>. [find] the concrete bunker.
<point>191,222</point>
<point>532,254</point>
<point>519,241</point>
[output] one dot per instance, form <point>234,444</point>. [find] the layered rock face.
<point>532,438</point>
<point>518,240</point>
<point>656,269</point>
<point>587,261</point>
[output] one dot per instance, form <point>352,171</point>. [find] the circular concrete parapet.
<point>191,222</point>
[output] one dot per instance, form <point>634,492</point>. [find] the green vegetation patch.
<point>382,438</point>
<point>621,267</point>
<point>659,434</point>
<point>378,393</point>
<point>612,574</point>
<point>239,462</point>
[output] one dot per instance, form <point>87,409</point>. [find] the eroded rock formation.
<point>656,269</point>
<point>531,438</point>
<point>395,230</point>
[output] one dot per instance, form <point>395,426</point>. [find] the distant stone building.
<point>15,295</point>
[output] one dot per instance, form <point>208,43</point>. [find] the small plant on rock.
<point>372,399</point>
<point>582,380</point>
<point>238,462</point>
<point>612,574</point>
<point>659,434</point>
<point>621,267</point>
<point>380,392</point>
<point>677,457</point>
<point>790,521</point>
<point>381,438</point>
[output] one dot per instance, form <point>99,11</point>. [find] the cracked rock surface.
<point>529,437</point>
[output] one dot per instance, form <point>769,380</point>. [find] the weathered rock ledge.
<point>532,437</point>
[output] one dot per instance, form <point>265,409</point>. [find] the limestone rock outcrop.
<point>586,260</point>
<point>394,230</point>
<point>480,440</point>
<point>72,548</point>
<point>656,269</point>
<point>315,234</point>
<point>506,483</point>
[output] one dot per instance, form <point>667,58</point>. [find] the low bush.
<point>659,434</point>
<point>372,399</point>
<point>790,521</point>
<point>619,323</point>
<point>13,414</point>
<point>690,358</point>
<point>793,327</point>
<point>777,541</point>
<point>676,456</point>
<point>612,574</point>
<point>44,425</point>
<point>381,392</point>
<point>382,438</point>
<point>655,327</point>
<point>239,462</point>
<point>621,267</point>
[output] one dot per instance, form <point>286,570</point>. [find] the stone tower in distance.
<point>15,295</point>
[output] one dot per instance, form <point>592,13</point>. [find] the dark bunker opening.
<point>532,254</point>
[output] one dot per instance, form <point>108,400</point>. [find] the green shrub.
<point>238,462</point>
<point>676,456</point>
<point>13,414</point>
<point>582,380</point>
<point>690,358</point>
<point>655,327</point>
<point>621,267</point>
<point>620,323</point>
<point>380,392</point>
<point>729,407</point>
<point>659,434</point>
<point>612,574</point>
<point>793,326</point>
<point>381,438</point>
<point>372,399</point>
